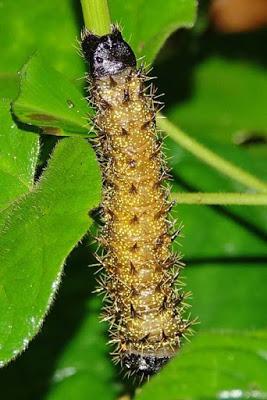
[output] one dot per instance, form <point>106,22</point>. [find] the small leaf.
<point>37,237</point>
<point>214,366</point>
<point>18,157</point>
<point>151,22</point>
<point>47,99</point>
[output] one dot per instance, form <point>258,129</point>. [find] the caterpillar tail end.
<point>143,365</point>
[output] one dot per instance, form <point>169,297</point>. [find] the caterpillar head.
<point>108,54</point>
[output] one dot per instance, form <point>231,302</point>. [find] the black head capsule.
<point>108,54</point>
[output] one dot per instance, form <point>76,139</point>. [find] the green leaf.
<point>50,28</point>
<point>9,85</point>
<point>18,157</point>
<point>50,101</point>
<point>224,248</point>
<point>151,22</point>
<point>37,237</point>
<point>71,346</point>
<point>214,366</point>
<point>235,85</point>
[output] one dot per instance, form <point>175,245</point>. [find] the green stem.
<point>211,158</point>
<point>249,199</point>
<point>96,16</point>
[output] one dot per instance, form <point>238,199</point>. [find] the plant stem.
<point>96,16</point>
<point>248,199</point>
<point>211,158</point>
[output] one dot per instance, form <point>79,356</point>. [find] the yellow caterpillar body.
<point>144,307</point>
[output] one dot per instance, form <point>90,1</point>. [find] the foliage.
<point>211,88</point>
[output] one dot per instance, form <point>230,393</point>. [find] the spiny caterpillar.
<point>144,307</point>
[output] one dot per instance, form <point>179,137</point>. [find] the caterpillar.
<point>144,306</point>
